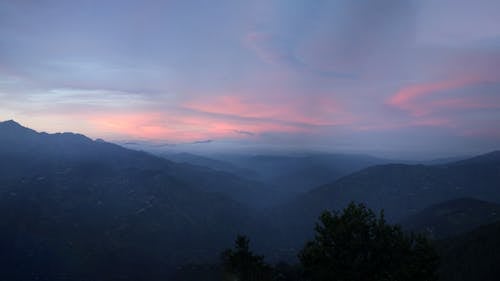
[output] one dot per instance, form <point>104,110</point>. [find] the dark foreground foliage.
<point>241,264</point>
<point>350,246</point>
<point>356,245</point>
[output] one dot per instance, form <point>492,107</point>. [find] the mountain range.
<point>73,206</point>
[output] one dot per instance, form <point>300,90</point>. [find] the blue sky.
<point>413,77</point>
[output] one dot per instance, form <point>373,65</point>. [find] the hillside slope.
<point>452,217</point>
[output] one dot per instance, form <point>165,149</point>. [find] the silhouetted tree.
<point>240,264</point>
<point>356,245</point>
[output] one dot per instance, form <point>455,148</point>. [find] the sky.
<point>412,77</point>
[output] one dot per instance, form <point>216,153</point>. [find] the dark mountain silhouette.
<point>471,256</point>
<point>452,217</point>
<point>401,190</point>
<point>74,207</point>
<point>48,149</point>
<point>71,206</point>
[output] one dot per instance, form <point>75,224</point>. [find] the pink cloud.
<point>446,104</point>
<point>408,97</point>
<point>138,124</point>
<point>308,111</point>
<point>203,117</point>
<point>221,117</point>
<point>179,127</point>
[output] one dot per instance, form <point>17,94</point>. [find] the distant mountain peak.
<point>10,123</point>
<point>13,126</point>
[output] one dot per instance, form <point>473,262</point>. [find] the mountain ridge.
<point>400,190</point>
<point>452,217</point>
<point>97,200</point>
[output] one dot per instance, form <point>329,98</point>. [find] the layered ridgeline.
<point>401,190</point>
<point>452,217</point>
<point>71,206</point>
<point>297,173</point>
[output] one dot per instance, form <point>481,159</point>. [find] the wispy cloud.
<point>201,142</point>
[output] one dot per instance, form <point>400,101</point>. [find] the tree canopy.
<point>357,245</point>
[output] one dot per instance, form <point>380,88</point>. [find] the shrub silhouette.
<point>240,264</point>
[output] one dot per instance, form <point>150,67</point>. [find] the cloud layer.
<point>359,75</point>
